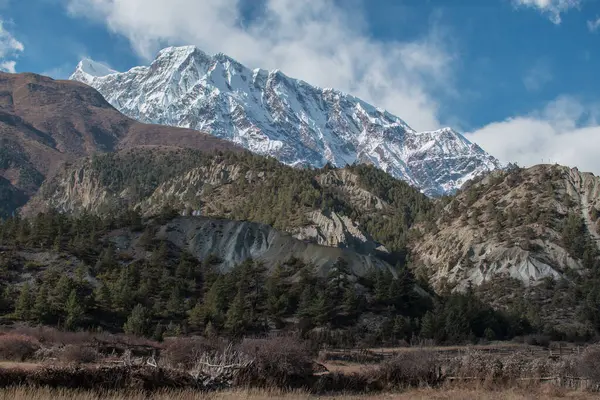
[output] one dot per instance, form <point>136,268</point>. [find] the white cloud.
<point>537,76</point>
<point>552,8</point>
<point>594,24</point>
<point>314,40</point>
<point>8,66</point>
<point>9,49</point>
<point>566,131</point>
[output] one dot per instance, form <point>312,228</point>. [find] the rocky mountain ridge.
<point>272,114</point>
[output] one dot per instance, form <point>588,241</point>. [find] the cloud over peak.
<point>318,41</point>
<point>566,131</point>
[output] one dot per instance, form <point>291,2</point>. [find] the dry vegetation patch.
<point>17,347</point>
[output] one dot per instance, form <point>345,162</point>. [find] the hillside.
<point>359,207</point>
<point>274,115</point>
<point>44,122</point>
<point>528,238</point>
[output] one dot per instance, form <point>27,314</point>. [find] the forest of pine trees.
<point>169,292</point>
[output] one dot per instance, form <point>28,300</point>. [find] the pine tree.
<point>235,322</point>
<point>277,297</point>
<point>210,331</point>
<point>159,331</point>
<point>197,316</point>
<point>175,304</point>
<point>107,260</point>
<point>305,306</point>
<point>350,302</point>
<point>61,293</point>
<point>401,327</point>
<point>138,321</point>
<point>382,284</point>
<point>102,297</point>
<point>489,334</point>
<point>428,326</point>
<point>41,307</point>
<point>216,300</point>
<point>322,310</point>
<point>24,303</point>
<point>74,309</point>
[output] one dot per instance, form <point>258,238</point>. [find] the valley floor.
<point>544,392</point>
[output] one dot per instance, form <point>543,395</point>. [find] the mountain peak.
<point>275,115</point>
<point>88,69</point>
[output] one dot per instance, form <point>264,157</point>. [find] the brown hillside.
<point>45,122</point>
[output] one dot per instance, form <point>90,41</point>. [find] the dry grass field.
<point>446,393</point>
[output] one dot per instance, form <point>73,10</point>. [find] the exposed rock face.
<point>336,231</point>
<point>236,241</point>
<point>272,114</point>
<point>510,225</point>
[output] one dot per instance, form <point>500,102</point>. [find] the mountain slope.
<point>44,123</point>
<point>514,224</point>
<point>524,239</point>
<point>272,114</point>
<point>358,207</point>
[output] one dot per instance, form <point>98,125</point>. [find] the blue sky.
<point>518,76</point>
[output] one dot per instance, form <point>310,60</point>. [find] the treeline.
<point>169,292</point>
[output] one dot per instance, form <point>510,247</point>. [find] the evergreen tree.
<point>61,293</point>
<point>305,306</point>
<point>41,307</point>
<point>175,304</point>
<point>103,297</point>
<point>197,317</point>
<point>138,321</point>
<point>401,329</point>
<point>489,334</point>
<point>235,322</point>
<point>428,329</point>
<point>216,301</point>
<point>24,303</point>
<point>322,310</point>
<point>351,302</point>
<point>75,310</point>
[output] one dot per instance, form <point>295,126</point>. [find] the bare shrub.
<point>222,365</point>
<point>48,335</point>
<point>278,362</point>
<point>507,369</point>
<point>410,368</point>
<point>185,352</point>
<point>78,354</point>
<point>15,347</point>
<point>538,340</point>
<point>356,356</point>
<point>589,364</point>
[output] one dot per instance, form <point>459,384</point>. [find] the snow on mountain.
<point>272,114</point>
<point>88,69</point>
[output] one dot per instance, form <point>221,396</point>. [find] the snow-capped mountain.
<point>271,114</point>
